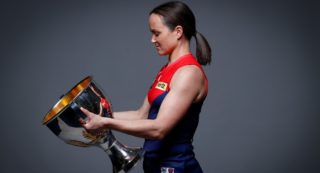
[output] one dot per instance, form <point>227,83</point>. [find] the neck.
<point>182,48</point>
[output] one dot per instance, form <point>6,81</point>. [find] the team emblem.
<point>161,86</point>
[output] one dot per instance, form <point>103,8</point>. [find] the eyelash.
<point>156,33</point>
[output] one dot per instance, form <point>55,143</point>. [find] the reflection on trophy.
<point>63,121</point>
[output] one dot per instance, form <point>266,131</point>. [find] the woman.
<point>169,115</point>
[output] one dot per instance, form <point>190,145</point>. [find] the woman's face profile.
<point>162,37</point>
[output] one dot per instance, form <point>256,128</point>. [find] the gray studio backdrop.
<point>261,114</point>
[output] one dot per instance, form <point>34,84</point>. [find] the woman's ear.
<point>179,31</point>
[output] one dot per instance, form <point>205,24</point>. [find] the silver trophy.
<point>63,120</point>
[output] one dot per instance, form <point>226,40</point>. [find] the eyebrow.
<point>154,30</point>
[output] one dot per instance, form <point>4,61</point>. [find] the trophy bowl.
<point>63,120</point>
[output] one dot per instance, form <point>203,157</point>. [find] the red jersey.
<point>183,132</point>
<point>162,81</point>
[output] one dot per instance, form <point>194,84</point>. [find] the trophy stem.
<point>123,158</point>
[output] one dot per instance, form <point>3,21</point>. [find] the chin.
<point>161,53</point>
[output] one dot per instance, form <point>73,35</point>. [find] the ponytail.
<point>203,50</point>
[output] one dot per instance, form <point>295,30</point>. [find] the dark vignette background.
<point>262,112</point>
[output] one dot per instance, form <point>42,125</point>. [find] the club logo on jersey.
<point>161,86</point>
<point>167,170</point>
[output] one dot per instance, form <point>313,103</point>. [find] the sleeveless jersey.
<point>179,139</point>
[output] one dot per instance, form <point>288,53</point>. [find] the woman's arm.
<point>186,86</point>
<point>141,113</point>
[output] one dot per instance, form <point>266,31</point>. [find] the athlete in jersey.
<point>169,115</point>
<point>175,152</point>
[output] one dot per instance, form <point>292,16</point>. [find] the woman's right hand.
<point>94,123</point>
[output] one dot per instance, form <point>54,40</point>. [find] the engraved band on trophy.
<point>63,120</point>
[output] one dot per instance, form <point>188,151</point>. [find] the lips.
<point>157,46</point>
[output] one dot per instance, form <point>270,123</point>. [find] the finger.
<point>85,111</point>
<point>82,121</point>
<point>101,110</point>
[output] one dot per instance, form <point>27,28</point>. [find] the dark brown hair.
<point>176,13</point>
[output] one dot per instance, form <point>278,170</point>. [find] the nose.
<point>153,40</point>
